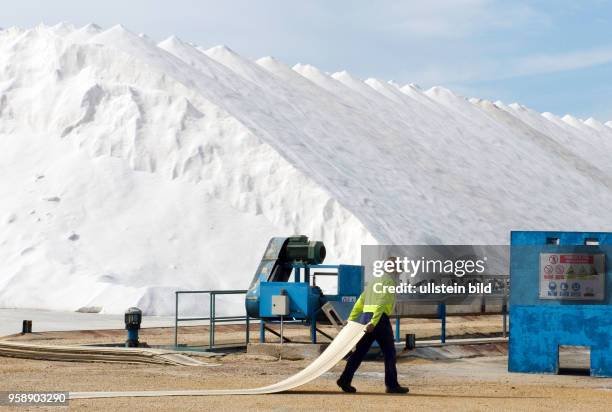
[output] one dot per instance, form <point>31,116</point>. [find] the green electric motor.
<point>300,249</point>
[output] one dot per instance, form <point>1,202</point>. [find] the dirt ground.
<point>473,384</point>
<point>477,384</point>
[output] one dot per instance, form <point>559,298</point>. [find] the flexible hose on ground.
<point>335,352</point>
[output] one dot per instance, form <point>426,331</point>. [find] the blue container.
<point>538,326</point>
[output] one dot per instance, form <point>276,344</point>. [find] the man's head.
<point>392,266</point>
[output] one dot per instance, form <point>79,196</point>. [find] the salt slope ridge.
<point>130,169</point>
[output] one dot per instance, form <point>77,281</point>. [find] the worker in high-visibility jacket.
<point>373,309</point>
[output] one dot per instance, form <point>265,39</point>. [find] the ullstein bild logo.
<point>412,267</point>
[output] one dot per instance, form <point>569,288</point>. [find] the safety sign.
<point>572,276</point>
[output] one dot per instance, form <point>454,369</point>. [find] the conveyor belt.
<point>94,354</point>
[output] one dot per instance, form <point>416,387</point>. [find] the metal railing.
<point>212,318</point>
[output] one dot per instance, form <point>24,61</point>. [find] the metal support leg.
<point>504,319</point>
<point>211,323</point>
<point>262,331</point>
<point>176,316</point>
<point>397,328</point>
<point>248,331</point>
<point>442,317</point>
<point>313,330</point>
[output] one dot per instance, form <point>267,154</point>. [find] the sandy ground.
<point>468,384</point>
<point>474,384</point>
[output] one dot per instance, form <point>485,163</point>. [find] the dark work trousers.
<point>383,334</point>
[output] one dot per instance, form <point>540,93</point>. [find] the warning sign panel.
<point>577,276</point>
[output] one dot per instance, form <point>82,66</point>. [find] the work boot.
<point>346,387</point>
<point>397,389</point>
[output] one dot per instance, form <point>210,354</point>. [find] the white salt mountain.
<point>130,169</point>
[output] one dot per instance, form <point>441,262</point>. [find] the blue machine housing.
<point>297,256</point>
<point>306,300</point>
<point>539,326</point>
<point>350,283</point>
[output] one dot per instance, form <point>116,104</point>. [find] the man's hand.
<point>370,328</point>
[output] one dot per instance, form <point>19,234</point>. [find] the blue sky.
<point>549,55</point>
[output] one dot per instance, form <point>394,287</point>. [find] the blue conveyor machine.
<point>289,268</point>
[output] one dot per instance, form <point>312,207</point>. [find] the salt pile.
<point>130,169</point>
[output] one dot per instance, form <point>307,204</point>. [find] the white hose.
<point>335,352</point>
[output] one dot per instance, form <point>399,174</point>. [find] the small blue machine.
<point>560,294</point>
<point>301,258</point>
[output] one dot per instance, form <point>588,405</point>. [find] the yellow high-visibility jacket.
<point>375,299</point>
